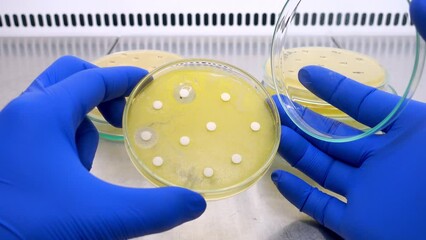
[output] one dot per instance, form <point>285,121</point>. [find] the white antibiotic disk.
<point>225,97</point>
<point>237,158</point>
<point>157,105</point>
<point>184,93</point>
<point>211,126</point>
<point>255,126</point>
<point>157,161</point>
<point>146,135</point>
<point>208,172</point>
<point>184,141</point>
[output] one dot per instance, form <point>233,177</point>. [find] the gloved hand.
<point>47,146</point>
<point>381,176</point>
<point>418,15</point>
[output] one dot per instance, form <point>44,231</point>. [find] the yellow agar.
<point>184,165</point>
<point>356,66</point>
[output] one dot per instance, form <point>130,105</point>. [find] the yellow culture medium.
<point>356,66</point>
<point>146,59</point>
<point>215,133</point>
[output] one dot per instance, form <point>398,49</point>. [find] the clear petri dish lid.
<point>352,43</point>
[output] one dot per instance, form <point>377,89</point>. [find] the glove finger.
<point>87,139</point>
<point>320,167</point>
<point>325,209</point>
<point>139,212</point>
<point>365,104</point>
<point>59,70</point>
<point>353,152</point>
<point>113,111</point>
<point>81,92</point>
<point>418,14</point>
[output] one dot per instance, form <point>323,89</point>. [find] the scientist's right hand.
<point>383,177</point>
<point>47,145</point>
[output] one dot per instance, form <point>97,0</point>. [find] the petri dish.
<point>146,59</point>
<point>367,65</point>
<point>203,125</point>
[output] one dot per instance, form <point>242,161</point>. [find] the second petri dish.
<point>202,125</point>
<point>146,59</point>
<point>369,65</point>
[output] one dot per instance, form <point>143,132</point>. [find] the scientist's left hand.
<point>47,146</point>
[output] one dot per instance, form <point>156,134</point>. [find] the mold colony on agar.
<point>203,133</point>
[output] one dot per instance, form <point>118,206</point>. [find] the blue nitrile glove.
<point>382,176</point>
<point>418,15</point>
<point>47,146</point>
